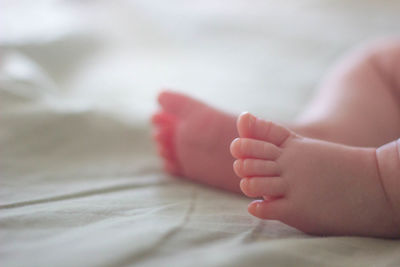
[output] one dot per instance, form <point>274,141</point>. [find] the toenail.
<point>244,113</point>
<point>237,165</point>
<point>244,183</point>
<point>258,208</point>
<point>236,140</point>
<point>235,146</point>
<point>255,207</point>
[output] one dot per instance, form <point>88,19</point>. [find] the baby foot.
<point>194,140</point>
<point>316,186</point>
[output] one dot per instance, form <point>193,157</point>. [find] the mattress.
<point>80,180</point>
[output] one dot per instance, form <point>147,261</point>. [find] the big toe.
<point>178,104</point>
<point>250,126</point>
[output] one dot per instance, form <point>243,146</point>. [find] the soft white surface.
<point>81,184</point>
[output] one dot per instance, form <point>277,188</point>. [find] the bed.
<point>80,180</point>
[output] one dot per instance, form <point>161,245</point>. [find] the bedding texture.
<point>80,181</point>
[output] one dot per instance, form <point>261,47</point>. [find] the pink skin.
<point>303,174</point>
<point>314,185</point>
<point>194,141</point>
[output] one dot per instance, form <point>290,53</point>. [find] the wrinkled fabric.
<point>80,181</point>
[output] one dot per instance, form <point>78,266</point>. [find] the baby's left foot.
<point>318,187</point>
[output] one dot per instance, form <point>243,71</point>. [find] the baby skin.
<point>335,171</point>
<point>317,186</point>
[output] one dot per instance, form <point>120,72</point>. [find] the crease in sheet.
<point>86,193</point>
<point>147,252</point>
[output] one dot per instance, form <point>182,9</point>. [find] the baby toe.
<point>162,135</point>
<point>252,127</point>
<point>255,167</point>
<point>163,118</point>
<point>166,151</point>
<point>251,148</point>
<point>270,210</point>
<point>263,187</point>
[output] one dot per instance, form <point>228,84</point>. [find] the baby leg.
<point>193,138</point>
<point>359,102</point>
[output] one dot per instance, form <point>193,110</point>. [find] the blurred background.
<point>80,180</point>
<point>263,56</point>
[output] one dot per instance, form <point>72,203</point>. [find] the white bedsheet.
<point>80,182</point>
